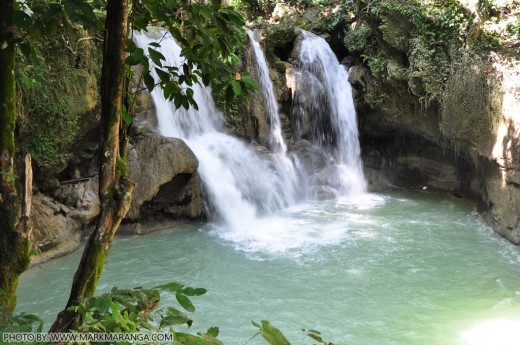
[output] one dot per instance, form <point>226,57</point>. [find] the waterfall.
<point>239,183</point>
<point>324,113</point>
<point>266,87</point>
<point>281,160</point>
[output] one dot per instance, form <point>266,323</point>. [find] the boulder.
<point>165,170</point>
<point>54,234</point>
<point>312,157</point>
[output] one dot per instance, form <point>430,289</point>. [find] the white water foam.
<point>247,193</point>
<point>239,183</point>
<point>277,143</point>
<point>323,101</point>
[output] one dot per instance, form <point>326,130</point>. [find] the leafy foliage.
<point>53,96</point>
<point>255,8</point>
<point>34,19</point>
<point>420,38</point>
<point>18,322</point>
<point>138,310</point>
<point>357,40</point>
<point>271,334</point>
<point>210,37</point>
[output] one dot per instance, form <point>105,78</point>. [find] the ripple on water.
<point>407,269</point>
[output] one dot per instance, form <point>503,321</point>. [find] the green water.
<point>394,269</point>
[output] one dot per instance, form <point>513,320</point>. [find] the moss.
<point>98,261</point>
<point>472,103</point>
<point>121,168</point>
<point>14,253</point>
<point>56,90</point>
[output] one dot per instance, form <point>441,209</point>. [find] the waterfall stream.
<point>266,87</point>
<point>240,184</point>
<point>324,112</point>
<point>247,191</point>
<point>281,160</point>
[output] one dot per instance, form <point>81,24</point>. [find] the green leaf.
<point>235,18</point>
<point>175,317</point>
<point>156,57</point>
<point>186,103</point>
<point>150,84</point>
<point>213,331</point>
<point>173,286</point>
<point>22,20</point>
<point>126,116</point>
<point>272,334</point>
<point>315,337</point>
<point>189,339</point>
<point>177,101</point>
<point>171,4</point>
<point>237,89</point>
<point>164,76</point>
<point>186,69</point>
<point>130,45</point>
<point>195,106</point>
<point>168,90</point>
<point>185,302</point>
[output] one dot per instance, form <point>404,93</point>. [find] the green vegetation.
<point>49,127</point>
<point>210,35</point>
<point>140,310</point>
<point>424,37</point>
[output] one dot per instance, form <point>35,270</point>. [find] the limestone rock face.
<point>168,184</point>
<point>60,221</point>
<point>464,140</point>
<point>143,114</point>
<point>311,157</point>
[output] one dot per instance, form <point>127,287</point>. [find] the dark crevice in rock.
<point>283,51</point>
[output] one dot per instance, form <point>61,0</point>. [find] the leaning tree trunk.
<point>14,209</point>
<point>115,188</point>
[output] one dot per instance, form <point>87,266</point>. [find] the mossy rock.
<point>59,98</point>
<point>472,104</point>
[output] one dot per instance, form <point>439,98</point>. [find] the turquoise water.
<point>399,268</point>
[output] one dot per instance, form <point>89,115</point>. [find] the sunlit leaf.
<point>185,302</point>
<point>272,334</point>
<point>175,317</point>
<point>173,286</point>
<point>126,116</point>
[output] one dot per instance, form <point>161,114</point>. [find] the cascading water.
<point>266,87</point>
<point>239,183</point>
<point>246,191</point>
<point>324,112</point>
<point>277,143</point>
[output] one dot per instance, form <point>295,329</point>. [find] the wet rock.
<point>323,192</point>
<point>311,157</point>
<point>50,185</point>
<point>165,170</point>
<point>67,195</point>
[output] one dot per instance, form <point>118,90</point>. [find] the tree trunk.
<point>115,188</point>
<point>14,221</point>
